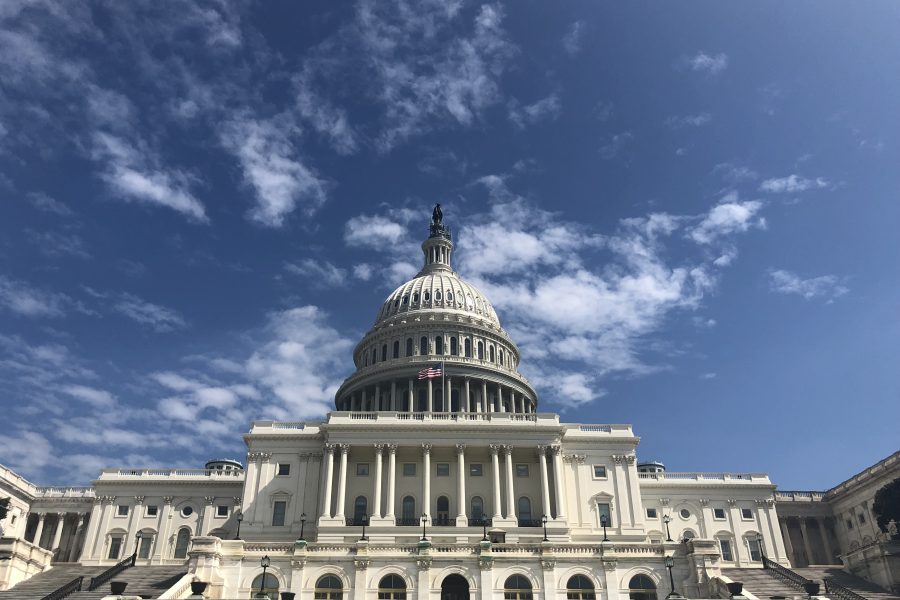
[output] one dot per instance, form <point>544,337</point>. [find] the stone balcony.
<point>171,474</point>
<point>702,479</point>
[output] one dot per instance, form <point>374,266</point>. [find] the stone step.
<point>143,581</point>
<point>54,578</point>
<point>864,588</point>
<point>762,584</point>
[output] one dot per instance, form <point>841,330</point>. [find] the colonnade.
<point>466,395</point>
<point>71,549</point>
<point>810,543</point>
<point>340,453</point>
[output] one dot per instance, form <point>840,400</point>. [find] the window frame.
<point>362,469</point>
<point>283,470</point>
<point>723,544</point>
<point>600,477</point>
<point>724,516</point>
<point>275,514</point>
<point>445,467</point>
<point>219,511</point>
<point>116,541</point>
<point>473,467</point>
<point>119,512</point>
<point>523,468</point>
<point>744,512</point>
<point>655,514</point>
<point>407,467</point>
<point>151,510</point>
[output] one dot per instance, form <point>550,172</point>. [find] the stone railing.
<point>388,416</point>
<point>700,477</point>
<point>794,496</point>
<point>66,492</point>
<point>235,474</point>
<point>180,589</point>
<point>17,480</point>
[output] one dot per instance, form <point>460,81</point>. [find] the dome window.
<point>415,297</point>
<point>449,296</point>
<point>426,296</point>
<point>481,350</point>
<point>423,346</point>
<point>374,355</point>
<point>409,346</point>
<point>396,302</point>
<point>405,300</point>
<point>438,345</point>
<point>491,353</point>
<point>396,353</point>
<point>470,303</point>
<point>467,345</point>
<point>454,346</point>
<point>437,296</point>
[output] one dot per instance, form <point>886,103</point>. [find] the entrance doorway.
<point>455,587</point>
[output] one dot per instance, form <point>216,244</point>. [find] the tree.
<point>887,504</point>
<point>4,507</point>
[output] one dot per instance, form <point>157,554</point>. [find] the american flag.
<point>431,372</point>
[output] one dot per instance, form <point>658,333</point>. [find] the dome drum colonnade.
<point>437,317</point>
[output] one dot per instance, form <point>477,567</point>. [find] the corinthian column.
<point>328,478</point>
<point>545,482</point>
<point>376,512</point>
<point>510,491</point>
<point>342,482</point>
<point>40,529</point>
<point>559,478</point>
<point>495,464</point>
<point>461,520</point>
<point>392,480</point>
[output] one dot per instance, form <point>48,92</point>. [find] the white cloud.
<point>613,144</point>
<point>792,184</point>
<point>373,231</point>
<point>320,273</point>
<point>326,119</point>
<point>733,173</point>
<point>23,299</point>
<point>710,63</point>
<point>574,37</point>
<point>730,216</point>
<point>56,243</point>
<point>545,108</point>
<point>279,180</point>
<point>45,203</point>
<point>829,287</point>
<point>363,271</point>
<point>95,397</point>
<point>132,174</point>
<point>159,318</point>
<point>698,120</point>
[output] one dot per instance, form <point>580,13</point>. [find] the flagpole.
<point>444,388</point>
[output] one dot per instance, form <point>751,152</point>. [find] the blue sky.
<point>685,215</point>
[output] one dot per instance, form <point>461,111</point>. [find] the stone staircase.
<point>143,581</point>
<point>864,588</point>
<point>764,585</point>
<point>52,579</point>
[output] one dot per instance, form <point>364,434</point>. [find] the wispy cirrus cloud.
<point>159,318</point>
<point>23,299</point>
<point>712,64</point>
<point>573,40</point>
<point>319,273</point>
<point>529,114</point>
<point>698,120</point>
<point>827,287</point>
<point>793,184</point>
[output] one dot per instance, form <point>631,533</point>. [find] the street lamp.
<point>604,523</point>
<point>264,563</point>
<point>137,542</point>
<point>238,517</point>
<point>759,545</point>
<point>302,524</point>
<point>667,519</point>
<point>544,523</point>
<point>670,562</point>
<point>364,521</point>
<point>484,529</point>
<point>424,520</point>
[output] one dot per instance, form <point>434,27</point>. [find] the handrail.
<point>65,590</point>
<point>111,572</point>
<point>784,574</point>
<point>836,590</point>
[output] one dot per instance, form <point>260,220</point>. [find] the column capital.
<point>209,499</point>
<point>495,449</point>
<point>556,448</point>
<point>379,448</point>
<point>109,499</point>
<point>329,447</point>
<point>392,448</point>
<point>139,499</point>
<point>235,500</point>
<point>345,448</point>
<point>167,500</point>
<point>507,449</point>
<point>542,450</point>
<point>426,448</point>
<point>460,448</point>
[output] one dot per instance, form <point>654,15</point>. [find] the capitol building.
<point>437,476</point>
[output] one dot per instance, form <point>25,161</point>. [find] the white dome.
<point>440,289</point>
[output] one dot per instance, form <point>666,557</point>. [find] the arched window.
<point>454,346</point>
<point>328,587</point>
<point>360,510</point>
<point>500,357</point>
<point>437,295</point>
<point>443,511</point>
<point>423,346</point>
<point>481,350</point>
<point>396,353</point>
<point>181,542</point>
<point>405,300</point>
<point>408,511</point>
<point>477,511</point>
<point>641,587</point>
<point>524,510</point>
<point>392,587</point>
<point>449,296</point>
<point>467,347</point>
<point>269,587</point>
<point>415,297</point>
<point>517,587</point>
<point>580,587</point>
<point>374,355</point>
<point>384,352</point>
<point>491,353</point>
<point>438,345</point>
<point>146,544</point>
<point>426,296</point>
<point>409,347</point>
<point>687,534</point>
<point>366,359</point>
<point>754,546</point>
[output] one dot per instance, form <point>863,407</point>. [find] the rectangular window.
<point>144,548</point>
<point>278,513</point>
<point>719,514</point>
<point>115,546</point>
<point>409,469</point>
<point>603,511</point>
<point>284,469</point>
<point>152,511</point>
<point>755,553</point>
<point>222,511</point>
<point>746,514</point>
<point>725,545</point>
<point>443,469</point>
<point>651,513</point>
<point>362,469</point>
<point>849,524</point>
<point>122,510</point>
<point>599,472</point>
<point>521,470</point>
<point>862,518</point>
<point>476,470</point>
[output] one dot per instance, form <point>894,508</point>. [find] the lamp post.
<point>302,524</point>
<point>484,537</point>
<point>238,517</point>
<point>759,544</point>
<point>544,523</point>
<point>424,520</point>
<point>670,562</point>
<point>363,538</point>
<point>137,543</point>
<point>604,522</point>
<point>264,563</point>
<point>667,519</point>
